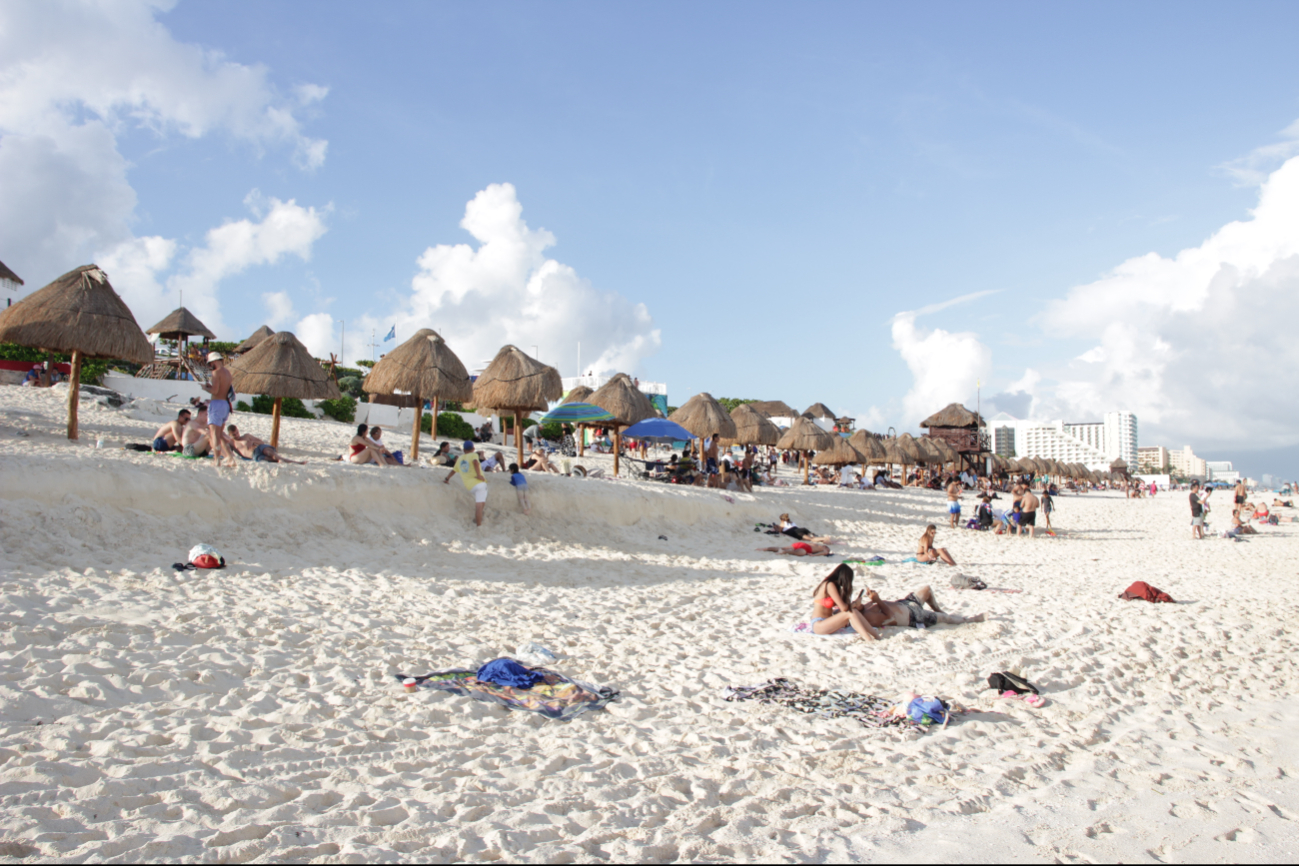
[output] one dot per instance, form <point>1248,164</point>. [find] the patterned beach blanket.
<point>868,710</point>
<point>555,697</point>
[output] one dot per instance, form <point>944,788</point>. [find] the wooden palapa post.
<point>518,436</point>
<point>275,423</point>
<point>74,393</point>
<point>414,433</point>
<point>617,446</point>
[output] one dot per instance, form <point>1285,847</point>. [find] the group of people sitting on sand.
<point>806,543</point>
<point>191,435</point>
<point>834,608</point>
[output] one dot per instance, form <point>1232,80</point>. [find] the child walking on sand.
<point>520,482</point>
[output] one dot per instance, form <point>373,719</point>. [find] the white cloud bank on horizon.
<point>946,367</point>
<point>1197,345</point>
<point>75,74</point>
<point>506,290</point>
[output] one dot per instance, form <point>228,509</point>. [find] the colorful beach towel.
<point>555,697</point>
<point>868,710</point>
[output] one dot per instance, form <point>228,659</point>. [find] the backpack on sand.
<point>1008,682</point>
<point>206,556</point>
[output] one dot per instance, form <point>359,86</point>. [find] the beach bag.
<point>1005,681</point>
<point>927,710</point>
<point>206,556</point>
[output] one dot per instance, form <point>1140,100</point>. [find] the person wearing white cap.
<point>222,390</point>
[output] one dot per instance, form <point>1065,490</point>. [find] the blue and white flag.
<point>392,335</point>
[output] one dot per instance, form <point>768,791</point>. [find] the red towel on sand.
<point>1145,592</point>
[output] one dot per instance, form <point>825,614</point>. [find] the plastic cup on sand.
<point>410,684</point>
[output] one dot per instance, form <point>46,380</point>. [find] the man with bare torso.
<point>169,435</point>
<point>909,612</point>
<point>222,390</point>
<point>194,441</point>
<point>252,448</point>
<point>954,501</point>
<point>1028,504</point>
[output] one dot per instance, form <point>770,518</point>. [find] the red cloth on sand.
<point>1145,592</point>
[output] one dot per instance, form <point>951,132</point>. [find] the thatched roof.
<point>280,366</point>
<point>623,400</point>
<point>773,408</point>
<point>425,366</point>
<point>251,343</point>
<point>752,427</point>
<point>955,415</point>
<point>704,416</point>
<point>6,274</point>
<point>929,453</point>
<point>869,446</point>
<point>906,444</point>
<point>1119,464</point>
<point>516,382</point>
<point>804,435</point>
<point>579,395</point>
<point>77,312</point>
<point>181,323</point>
<point>840,453</point>
<point>949,454</point>
<point>818,410</point>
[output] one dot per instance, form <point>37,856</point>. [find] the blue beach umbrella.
<point>576,413</point>
<point>658,428</point>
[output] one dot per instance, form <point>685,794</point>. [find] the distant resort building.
<point>1095,444</point>
<point>1185,464</point>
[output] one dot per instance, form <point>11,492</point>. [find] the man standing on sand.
<point>222,390</point>
<point>954,501</point>
<point>471,473</point>
<point>1197,512</point>
<point>169,435</point>
<point>1028,514</point>
<point>1240,492</point>
<point>710,462</point>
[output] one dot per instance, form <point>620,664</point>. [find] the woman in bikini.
<point>833,607</point>
<point>800,548</point>
<point>928,553</point>
<point>362,450</point>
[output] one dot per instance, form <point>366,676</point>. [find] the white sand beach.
<point>251,713</point>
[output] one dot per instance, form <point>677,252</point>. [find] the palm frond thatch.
<point>870,446</point>
<point>280,366</point>
<point>907,447</point>
<point>623,400</point>
<point>929,452</point>
<point>818,410</point>
<point>257,336</point>
<point>752,428</point>
<point>704,416</point>
<point>517,382</point>
<point>181,323</point>
<point>804,435</point>
<point>840,453</point>
<point>773,408</point>
<point>578,394</point>
<point>77,312</point>
<point>954,415</point>
<point>423,366</point>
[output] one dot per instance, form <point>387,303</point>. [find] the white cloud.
<point>1197,345</point>
<point>318,333</point>
<point>135,266</point>
<point>945,366</point>
<point>506,290</point>
<point>75,74</point>
<point>1253,168</point>
<point>279,308</point>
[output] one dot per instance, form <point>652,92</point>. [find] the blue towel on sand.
<point>507,672</point>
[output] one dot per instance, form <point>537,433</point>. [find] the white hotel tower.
<point>1094,444</point>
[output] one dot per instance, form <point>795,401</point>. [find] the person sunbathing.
<point>194,442</point>
<point>800,548</point>
<point>540,462</point>
<point>1283,503</point>
<point>909,611</point>
<point>362,450</point>
<point>833,606</point>
<point>169,435</point>
<point>250,447</point>
<point>926,552</point>
<point>793,530</point>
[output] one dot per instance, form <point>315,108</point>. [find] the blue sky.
<point>773,183</point>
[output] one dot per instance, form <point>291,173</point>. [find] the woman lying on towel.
<point>800,548</point>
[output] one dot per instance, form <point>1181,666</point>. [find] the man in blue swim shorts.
<point>954,502</point>
<point>222,390</point>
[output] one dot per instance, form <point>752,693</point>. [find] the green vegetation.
<point>291,407</point>
<point>450,424</point>
<point>730,403</point>
<point>225,347</point>
<point>351,385</point>
<point>452,406</point>
<point>365,363</point>
<point>507,423</point>
<point>342,409</point>
<point>553,430</point>
<point>92,369</point>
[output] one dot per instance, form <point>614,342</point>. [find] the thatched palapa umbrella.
<point>870,447</point>
<point>910,452</point>
<point>251,343</point>
<point>929,452</point>
<point>625,402</point>
<point>519,384</point>
<point>804,436</point>
<point>819,410</point>
<point>579,395</point>
<point>181,324</point>
<point>79,313</point>
<point>280,367</point>
<point>752,428</point>
<point>839,453</point>
<point>423,366</point>
<point>773,408</point>
<point>704,417</point>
